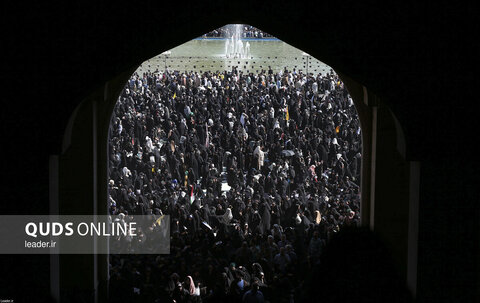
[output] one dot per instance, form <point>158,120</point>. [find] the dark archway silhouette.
<point>381,190</point>
<point>416,57</point>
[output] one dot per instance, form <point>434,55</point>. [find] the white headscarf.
<point>126,172</point>
<point>191,286</point>
<point>227,217</point>
<point>298,220</point>
<point>149,144</point>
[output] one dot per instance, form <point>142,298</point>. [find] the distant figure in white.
<point>315,88</point>
<point>228,216</point>
<point>260,155</point>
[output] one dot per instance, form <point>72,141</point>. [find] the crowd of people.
<point>248,31</point>
<point>256,170</point>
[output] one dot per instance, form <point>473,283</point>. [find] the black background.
<point>419,59</point>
